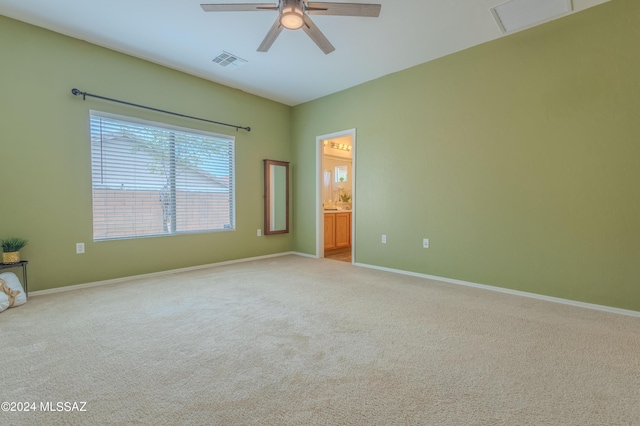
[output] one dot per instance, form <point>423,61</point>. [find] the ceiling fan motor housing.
<point>292,14</point>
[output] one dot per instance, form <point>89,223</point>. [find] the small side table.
<point>22,263</point>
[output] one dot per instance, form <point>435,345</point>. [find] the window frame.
<point>341,172</point>
<point>152,125</point>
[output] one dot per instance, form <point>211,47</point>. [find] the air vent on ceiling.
<point>226,59</point>
<point>519,14</point>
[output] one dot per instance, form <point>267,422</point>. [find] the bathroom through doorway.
<point>336,196</point>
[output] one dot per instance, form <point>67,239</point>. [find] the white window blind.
<point>152,179</point>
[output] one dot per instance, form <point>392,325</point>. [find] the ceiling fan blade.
<point>343,9</point>
<point>238,7</point>
<point>317,36</point>
<point>271,36</point>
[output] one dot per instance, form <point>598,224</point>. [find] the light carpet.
<point>299,341</point>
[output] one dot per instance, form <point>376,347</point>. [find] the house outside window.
<point>151,179</point>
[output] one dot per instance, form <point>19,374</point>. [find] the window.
<point>152,179</point>
<point>341,174</point>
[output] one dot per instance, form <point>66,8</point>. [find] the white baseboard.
<point>311,256</point>
<point>153,274</point>
<point>508,291</point>
<point>363,265</point>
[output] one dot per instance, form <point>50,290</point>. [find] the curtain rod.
<point>77,92</point>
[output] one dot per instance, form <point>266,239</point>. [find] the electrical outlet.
<point>79,248</point>
<point>425,243</point>
<point>384,239</point>
<point>259,233</point>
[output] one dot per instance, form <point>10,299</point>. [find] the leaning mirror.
<point>276,197</point>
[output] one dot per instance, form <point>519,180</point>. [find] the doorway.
<point>335,195</point>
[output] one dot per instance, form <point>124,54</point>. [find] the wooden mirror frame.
<point>269,195</point>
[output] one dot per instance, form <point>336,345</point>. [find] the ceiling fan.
<point>294,14</point>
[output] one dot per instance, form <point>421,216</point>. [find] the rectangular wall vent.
<point>229,60</point>
<point>515,15</point>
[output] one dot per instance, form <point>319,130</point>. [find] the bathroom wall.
<point>336,157</point>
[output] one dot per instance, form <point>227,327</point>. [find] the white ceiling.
<point>180,35</point>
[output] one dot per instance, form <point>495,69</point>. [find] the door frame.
<point>319,201</point>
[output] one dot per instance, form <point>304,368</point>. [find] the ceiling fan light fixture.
<point>291,18</point>
<point>294,15</point>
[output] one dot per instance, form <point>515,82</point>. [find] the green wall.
<point>45,156</point>
<point>518,158</point>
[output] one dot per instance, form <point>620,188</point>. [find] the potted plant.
<point>345,198</point>
<point>11,249</point>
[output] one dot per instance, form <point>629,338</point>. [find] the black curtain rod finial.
<point>76,92</point>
